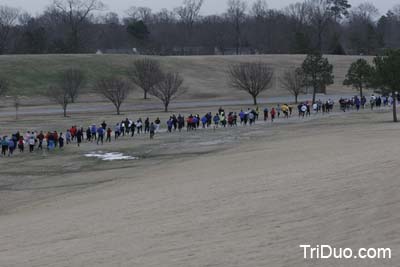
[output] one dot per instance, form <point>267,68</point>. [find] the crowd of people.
<point>101,133</point>
<point>360,103</point>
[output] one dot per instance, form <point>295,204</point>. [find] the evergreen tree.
<point>386,76</point>
<point>318,73</point>
<point>359,75</point>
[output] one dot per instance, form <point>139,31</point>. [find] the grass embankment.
<point>205,76</point>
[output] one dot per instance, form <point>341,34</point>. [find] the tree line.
<point>309,26</point>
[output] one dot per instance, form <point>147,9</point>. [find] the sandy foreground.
<point>239,197</point>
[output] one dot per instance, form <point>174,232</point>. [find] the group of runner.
<point>101,133</point>
<point>360,103</point>
<point>31,140</point>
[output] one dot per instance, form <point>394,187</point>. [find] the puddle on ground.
<point>110,156</point>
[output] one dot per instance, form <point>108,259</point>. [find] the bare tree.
<point>236,15</point>
<point>396,10</point>
<point>111,18</point>
<point>139,13</point>
<point>8,18</point>
<point>75,14</point>
<point>322,12</point>
<point>60,96</point>
<point>145,73</point>
<point>217,32</point>
<point>252,78</point>
<point>67,88</point>
<point>169,88</point>
<point>165,16</point>
<point>114,89</point>
<point>73,80</point>
<point>293,81</point>
<point>319,16</point>
<point>24,18</point>
<point>259,9</point>
<point>362,32</point>
<point>189,13</point>
<point>366,11</point>
<point>298,12</point>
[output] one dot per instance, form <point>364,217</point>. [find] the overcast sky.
<point>210,6</point>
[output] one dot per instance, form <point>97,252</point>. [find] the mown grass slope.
<point>205,76</point>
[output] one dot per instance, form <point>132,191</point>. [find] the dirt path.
<point>108,107</point>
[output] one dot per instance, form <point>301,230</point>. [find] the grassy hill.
<point>205,76</point>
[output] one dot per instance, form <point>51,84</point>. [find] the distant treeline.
<point>86,26</point>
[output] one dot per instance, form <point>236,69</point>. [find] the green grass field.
<point>205,76</point>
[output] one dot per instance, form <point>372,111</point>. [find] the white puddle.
<point>109,156</point>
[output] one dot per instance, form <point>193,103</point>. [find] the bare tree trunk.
<point>296,97</point>
<point>320,41</point>
<point>255,100</point>
<point>65,111</point>
<point>75,40</point>
<point>166,107</point>
<point>16,105</point>
<point>145,94</point>
<point>314,94</point>
<point>361,92</point>
<point>118,109</point>
<point>238,37</point>
<point>394,107</point>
